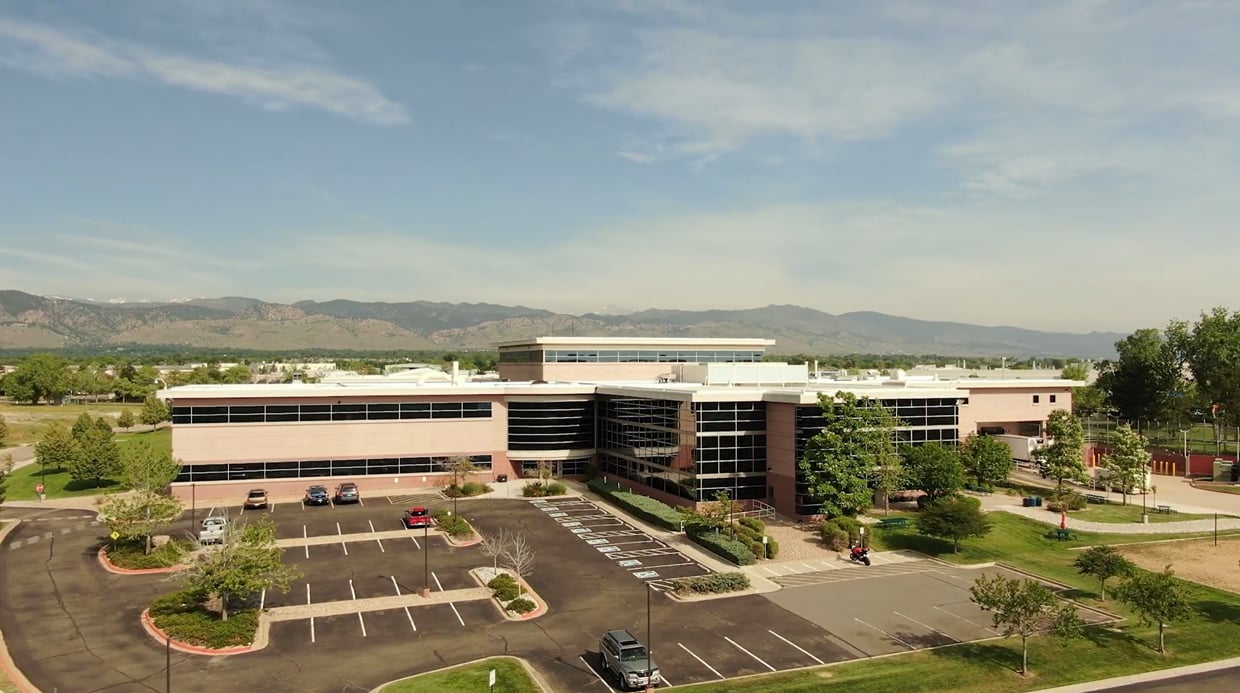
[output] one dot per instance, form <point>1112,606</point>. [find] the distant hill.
<point>28,321</point>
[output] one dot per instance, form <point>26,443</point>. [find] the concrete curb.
<point>542,606</point>
<point>7,664</point>
<point>529,669</point>
<point>1147,677</point>
<point>115,569</point>
<point>163,638</point>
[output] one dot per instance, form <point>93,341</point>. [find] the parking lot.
<point>641,555</point>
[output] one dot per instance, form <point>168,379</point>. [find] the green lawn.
<point>510,677</point>
<point>58,484</point>
<point>1219,488</point>
<point>1113,512</point>
<point>26,422</point>
<point>991,666</point>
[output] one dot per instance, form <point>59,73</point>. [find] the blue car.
<point>316,495</point>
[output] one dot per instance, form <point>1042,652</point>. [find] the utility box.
<point>1222,470</point>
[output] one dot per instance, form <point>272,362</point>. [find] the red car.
<point>416,517</point>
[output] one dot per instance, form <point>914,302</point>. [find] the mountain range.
<point>28,321</point>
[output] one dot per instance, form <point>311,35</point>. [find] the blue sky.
<point>1051,165</point>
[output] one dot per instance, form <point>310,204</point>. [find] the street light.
<point>1184,431</point>
<point>426,560</point>
<point>649,641</point>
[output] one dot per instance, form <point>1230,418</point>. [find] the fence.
<point>1201,437</point>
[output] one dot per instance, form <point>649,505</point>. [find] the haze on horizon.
<point>1057,166</point>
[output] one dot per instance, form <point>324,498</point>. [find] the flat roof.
<point>656,342</point>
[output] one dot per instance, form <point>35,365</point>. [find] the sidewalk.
<point>1148,677</point>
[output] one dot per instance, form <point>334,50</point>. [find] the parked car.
<point>625,656</point>
<point>347,493</point>
<point>316,495</point>
<point>213,530</point>
<point>416,517</point>
<point>256,498</point>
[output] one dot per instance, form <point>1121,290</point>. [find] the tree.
<point>1142,382</point>
<point>838,462</point>
<point>1128,460</point>
<point>934,468</point>
<point>1088,400</point>
<point>494,545</point>
<point>125,420</point>
<point>954,518</point>
<point>56,449</point>
<point>888,475</point>
<point>519,558</point>
<point>246,562</point>
<point>146,468</point>
<point>461,467</point>
<point>1075,371</point>
<point>154,411</point>
<point>1157,598</point>
<point>1104,563</point>
<point>1024,608</point>
<point>4,431</point>
<point>1064,457</point>
<point>82,426</point>
<point>37,378</point>
<point>138,515</point>
<point>1211,349</point>
<point>986,460</point>
<point>6,466</point>
<point>97,458</point>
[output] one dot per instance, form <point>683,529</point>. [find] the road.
<point>1225,681</point>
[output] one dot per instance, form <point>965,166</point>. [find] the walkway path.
<point>1011,505</point>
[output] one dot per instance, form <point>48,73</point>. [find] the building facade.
<point>679,430</point>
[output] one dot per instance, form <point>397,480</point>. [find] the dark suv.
<point>624,655</point>
<point>316,495</point>
<point>347,493</point>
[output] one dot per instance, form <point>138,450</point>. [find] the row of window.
<point>628,356</point>
<point>687,486</point>
<point>639,410</point>
<point>353,411</point>
<point>391,466</point>
<point>551,425</point>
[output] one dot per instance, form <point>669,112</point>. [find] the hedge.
<point>715,583</point>
<point>539,489</point>
<point>521,606</point>
<point>720,545</point>
<point>132,554</point>
<point>184,617</point>
<point>753,523</point>
<point>454,526</point>
<point>648,509</point>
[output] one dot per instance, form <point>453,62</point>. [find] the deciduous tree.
<point>125,420</point>
<point>934,468</point>
<point>1064,457</point>
<point>1128,460</point>
<point>1024,608</point>
<point>246,562</point>
<point>4,432</point>
<point>41,377</point>
<point>840,459</point>
<point>986,461</point>
<point>6,466</point>
<point>97,458</point>
<point>1103,562</point>
<point>1157,598</point>
<point>57,449</point>
<point>1075,371</point>
<point>154,412</point>
<point>139,515</point>
<point>146,468</point>
<point>954,518</point>
<point>461,467</point>
<point>519,558</point>
<point>1211,349</point>
<point>1142,382</point>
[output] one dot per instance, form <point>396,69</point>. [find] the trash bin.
<point>501,479</point>
<point>1037,501</point>
<point>1026,502</point>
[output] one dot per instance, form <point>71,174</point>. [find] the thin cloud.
<point>47,50</point>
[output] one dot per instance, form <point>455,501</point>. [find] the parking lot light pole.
<point>649,642</point>
<point>426,560</point>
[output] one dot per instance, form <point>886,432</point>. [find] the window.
<point>1037,399</point>
<point>1052,399</point>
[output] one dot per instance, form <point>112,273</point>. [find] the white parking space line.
<point>936,630</point>
<point>271,508</point>
<point>436,577</point>
<point>307,593</point>
<point>242,511</point>
<point>262,599</point>
<point>703,661</point>
<point>772,572</point>
<point>311,629</point>
<point>303,505</point>
<point>306,546</point>
<point>599,676</point>
<point>889,635</point>
<point>756,657</point>
<point>363,622</point>
<point>415,543</point>
<point>361,502</point>
<point>412,625</point>
<point>351,590</point>
<point>372,525</point>
<point>343,545</point>
<point>380,543</point>
<point>458,614</point>
<point>962,618</point>
<point>799,648</point>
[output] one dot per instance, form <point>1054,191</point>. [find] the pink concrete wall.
<point>781,462</point>
<point>987,405</point>
<point>206,493</point>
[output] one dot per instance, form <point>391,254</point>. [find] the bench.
<point>893,523</point>
<point>1095,498</point>
<point>1060,535</point>
<point>1164,509</point>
